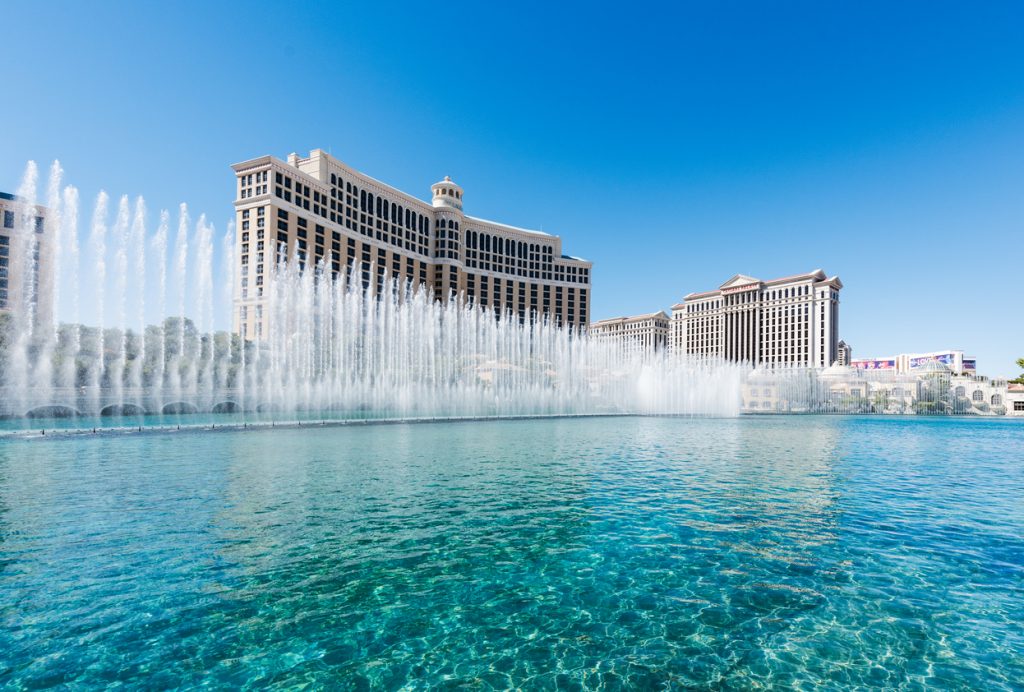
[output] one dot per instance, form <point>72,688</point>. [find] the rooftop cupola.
<point>447,194</point>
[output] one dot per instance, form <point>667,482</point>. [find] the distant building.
<point>638,333</point>
<point>835,389</point>
<point>792,321</point>
<point>932,388</point>
<point>955,360</point>
<point>320,210</point>
<point>979,394</point>
<point>25,247</point>
<point>845,354</point>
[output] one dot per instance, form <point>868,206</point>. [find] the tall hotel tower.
<point>319,209</point>
<point>793,321</point>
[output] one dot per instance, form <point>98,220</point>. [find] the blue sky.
<point>674,145</point>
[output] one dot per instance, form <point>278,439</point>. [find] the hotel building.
<point>23,231</point>
<point>639,333</point>
<point>792,321</point>
<point>320,210</point>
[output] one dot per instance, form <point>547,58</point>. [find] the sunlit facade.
<point>320,210</point>
<point>24,245</point>
<point>792,321</point>
<point>647,333</point>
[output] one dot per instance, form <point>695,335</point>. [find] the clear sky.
<point>674,145</point>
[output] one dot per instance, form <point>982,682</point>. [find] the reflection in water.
<point>634,551</point>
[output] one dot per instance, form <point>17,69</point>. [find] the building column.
<point>744,356</point>
<point>733,332</point>
<point>757,334</point>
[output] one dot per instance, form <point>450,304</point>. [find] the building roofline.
<point>630,318</point>
<point>237,167</point>
<point>508,227</point>
<point>269,158</point>
<point>341,164</point>
<point>703,294</point>
<point>816,274</point>
<point>248,163</point>
<point>749,280</point>
<point>38,207</point>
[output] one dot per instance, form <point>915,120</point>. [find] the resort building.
<point>320,210</point>
<point>792,321</point>
<point>979,394</point>
<point>932,388</point>
<point>26,280</point>
<point>912,362</point>
<point>835,389</point>
<point>638,333</point>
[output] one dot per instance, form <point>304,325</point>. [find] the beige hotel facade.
<point>318,209</point>
<point>23,230</point>
<point>639,333</point>
<point>791,321</point>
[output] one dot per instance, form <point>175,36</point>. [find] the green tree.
<point>1020,364</point>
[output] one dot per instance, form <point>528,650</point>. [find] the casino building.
<point>792,321</point>
<point>320,210</point>
<point>640,333</point>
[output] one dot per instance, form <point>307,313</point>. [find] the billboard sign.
<point>944,358</point>
<point>874,364</point>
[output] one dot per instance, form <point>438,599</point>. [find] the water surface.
<point>589,553</point>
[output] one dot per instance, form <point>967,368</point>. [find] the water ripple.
<point>577,554</point>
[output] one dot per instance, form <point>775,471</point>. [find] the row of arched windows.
<point>391,212</point>
<point>476,240</point>
<point>534,259</point>
<point>978,396</point>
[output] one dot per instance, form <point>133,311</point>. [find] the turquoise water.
<point>591,553</point>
